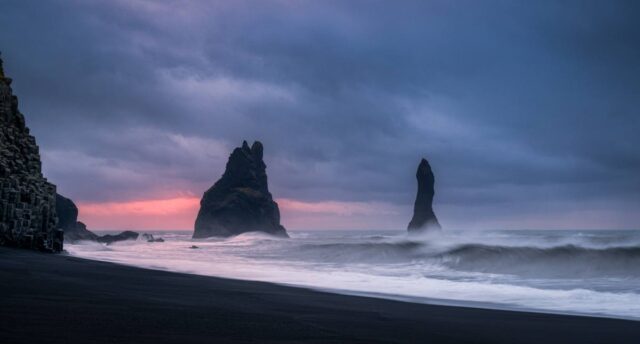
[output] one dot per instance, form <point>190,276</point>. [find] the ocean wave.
<point>565,261</point>
<point>591,272</point>
<point>361,252</point>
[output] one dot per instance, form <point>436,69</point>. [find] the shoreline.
<point>613,306</point>
<point>472,304</point>
<point>67,299</point>
<point>393,297</point>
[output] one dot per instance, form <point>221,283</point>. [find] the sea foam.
<point>585,272</point>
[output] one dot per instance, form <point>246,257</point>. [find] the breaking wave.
<point>565,261</point>
<point>589,272</point>
<point>568,261</point>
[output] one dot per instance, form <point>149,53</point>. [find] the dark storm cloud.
<point>526,110</point>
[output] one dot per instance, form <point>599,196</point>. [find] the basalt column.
<point>27,201</point>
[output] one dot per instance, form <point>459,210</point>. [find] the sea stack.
<point>27,200</point>
<point>240,201</point>
<point>423,216</point>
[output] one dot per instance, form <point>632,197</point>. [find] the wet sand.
<point>63,299</point>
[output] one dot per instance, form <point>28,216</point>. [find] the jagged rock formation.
<point>27,200</point>
<point>240,201</point>
<point>423,216</point>
<point>75,230</point>
<point>68,221</point>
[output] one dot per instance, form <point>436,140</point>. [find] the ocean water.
<point>577,272</point>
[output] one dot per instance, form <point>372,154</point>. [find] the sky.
<point>527,111</point>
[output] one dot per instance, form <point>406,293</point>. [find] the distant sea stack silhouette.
<point>27,200</point>
<point>423,216</point>
<point>240,201</point>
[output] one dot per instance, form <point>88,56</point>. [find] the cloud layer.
<point>528,112</point>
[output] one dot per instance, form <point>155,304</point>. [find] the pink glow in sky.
<point>179,213</point>
<point>175,213</point>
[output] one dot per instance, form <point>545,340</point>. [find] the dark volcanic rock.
<point>126,235</point>
<point>423,216</point>
<point>75,230</point>
<point>68,221</point>
<point>27,200</point>
<point>67,212</point>
<point>151,238</point>
<point>240,201</point>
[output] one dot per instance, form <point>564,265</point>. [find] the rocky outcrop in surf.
<point>423,216</point>
<point>75,230</point>
<point>27,200</point>
<point>111,238</point>
<point>151,238</point>
<point>240,201</point>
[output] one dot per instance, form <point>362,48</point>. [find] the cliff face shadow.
<point>27,200</point>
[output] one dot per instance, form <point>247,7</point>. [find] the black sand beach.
<point>62,299</point>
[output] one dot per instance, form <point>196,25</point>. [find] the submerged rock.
<point>27,200</point>
<point>423,216</point>
<point>240,201</point>
<point>151,238</point>
<point>110,238</point>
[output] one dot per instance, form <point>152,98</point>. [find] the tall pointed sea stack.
<point>27,201</point>
<point>423,216</point>
<point>240,201</point>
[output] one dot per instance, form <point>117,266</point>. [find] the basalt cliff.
<point>27,200</point>
<point>423,216</point>
<point>240,201</point>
